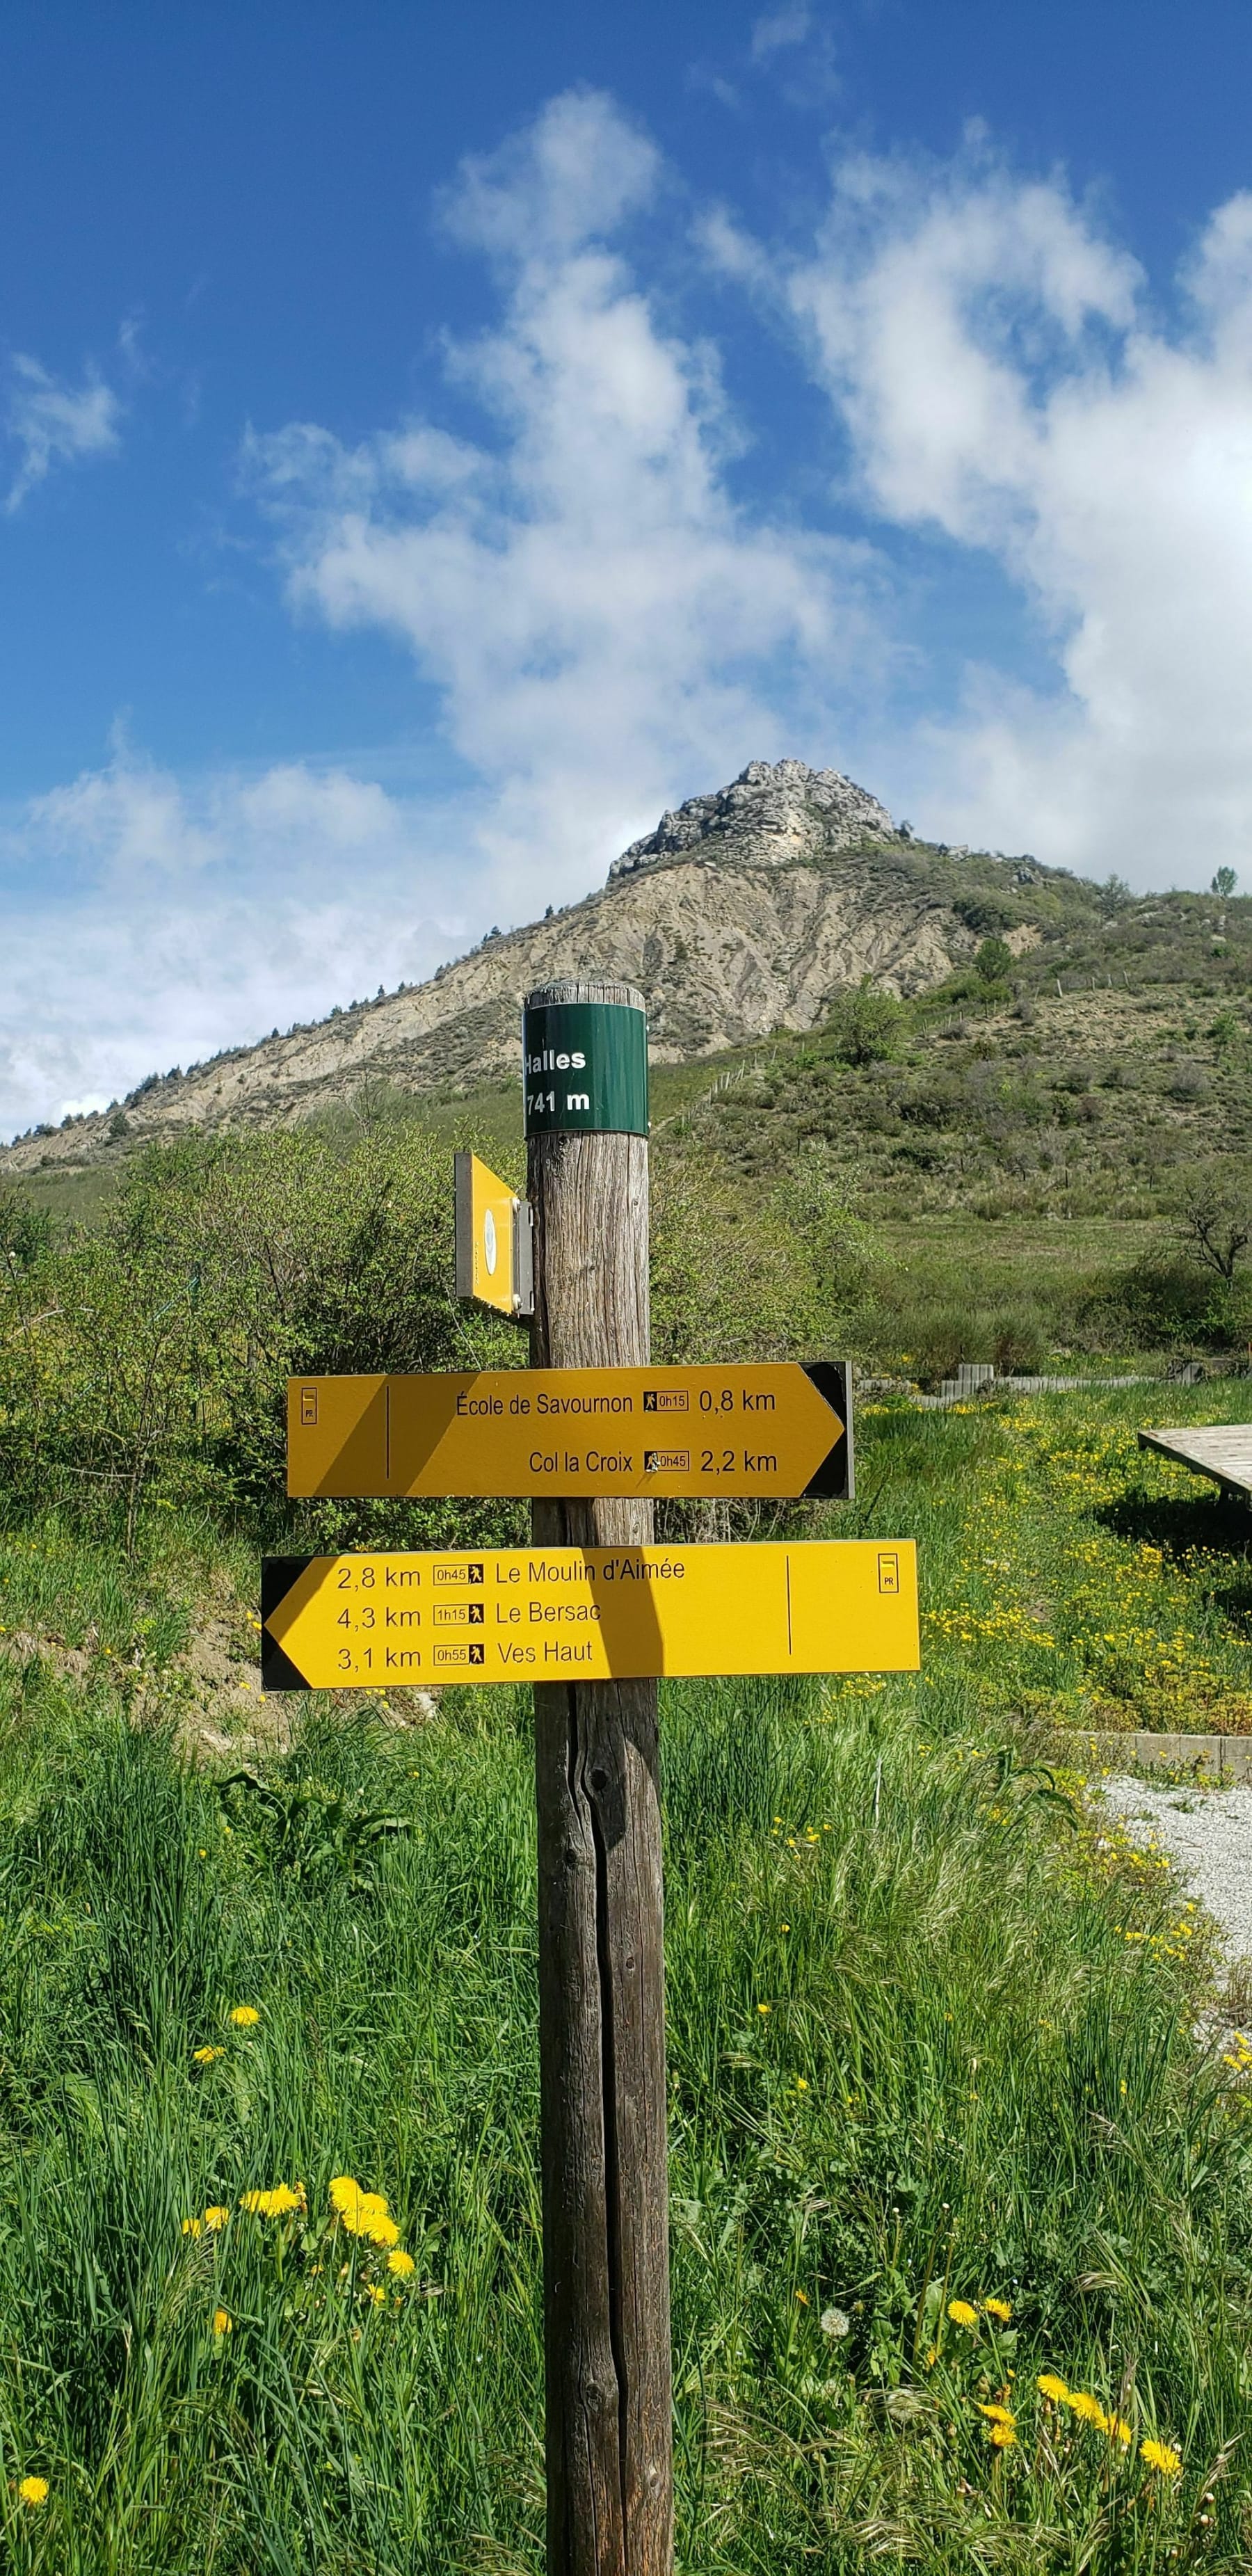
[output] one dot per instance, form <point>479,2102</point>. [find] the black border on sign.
<point>278,1573</point>
<point>835,1480</point>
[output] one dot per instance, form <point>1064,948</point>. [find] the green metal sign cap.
<point>585,1068</point>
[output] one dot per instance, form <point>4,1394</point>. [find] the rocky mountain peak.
<point>747,910</point>
<point>774,813</point>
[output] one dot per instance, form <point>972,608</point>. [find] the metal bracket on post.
<point>523,1259</point>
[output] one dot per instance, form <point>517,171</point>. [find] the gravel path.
<point>1209,1833</point>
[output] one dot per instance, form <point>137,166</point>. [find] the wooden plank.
<point>1220,1450</point>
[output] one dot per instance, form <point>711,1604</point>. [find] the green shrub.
<point>151,1354</point>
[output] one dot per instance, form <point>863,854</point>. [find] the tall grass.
<point>913,2059</point>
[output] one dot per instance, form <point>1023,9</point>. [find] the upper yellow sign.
<point>493,1240</point>
<point>765,1430</point>
<point>385,1621</point>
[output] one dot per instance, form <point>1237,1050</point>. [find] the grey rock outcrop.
<point>773,813</point>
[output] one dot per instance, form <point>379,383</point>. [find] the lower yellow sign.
<point>380,1622</point>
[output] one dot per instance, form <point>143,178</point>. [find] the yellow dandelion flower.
<point>1049,2385</point>
<point>215,2217</point>
<point>223,2324</point>
<point>33,2490</point>
<point>998,2308</point>
<point>271,2204</point>
<point>961,2312</point>
<point>377,2293</point>
<point>205,2056</point>
<point>1087,2408</point>
<point>1119,2430</point>
<point>998,2414</point>
<point>192,2226</point>
<point>1003,2436</point>
<point>764,2008</point>
<point>244,2016</point>
<point>401,2263</point>
<point>364,2213</point>
<point>1163,2457</point>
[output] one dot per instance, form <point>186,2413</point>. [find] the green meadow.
<point>961,2137</point>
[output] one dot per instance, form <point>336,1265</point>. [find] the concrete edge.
<point>1213,1757</point>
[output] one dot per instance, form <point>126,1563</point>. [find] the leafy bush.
<point>867,1025</point>
<point>151,1354</point>
<point>1160,1302</point>
<point>994,962</point>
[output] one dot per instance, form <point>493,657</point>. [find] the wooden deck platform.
<point>1222,1450</point>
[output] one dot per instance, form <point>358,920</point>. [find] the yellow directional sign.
<point>774,1429</point>
<point>494,1260</point>
<point>385,1622</point>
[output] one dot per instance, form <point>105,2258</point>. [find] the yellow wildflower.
<point>192,2226</point>
<point>205,2056</point>
<point>1163,2457</point>
<point>998,2308</point>
<point>33,2490</point>
<point>377,2293</point>
<point>961,2312</point>
<point>364,2213</point>
<point>399,2261</point>
<point>275,2203</point>
<point>215,2217</point>
<point>1087,2408</point>
<point>1049,2385</point>
<point>998,2414</point>
<point>1003,2436</point>
<point>244,2016</point>
<point>223,2324</point>
<point>1119,2430</point>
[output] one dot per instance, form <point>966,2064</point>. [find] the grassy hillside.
<point>1012,1154</point>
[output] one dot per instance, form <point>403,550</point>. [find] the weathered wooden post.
<point>601,1960</point>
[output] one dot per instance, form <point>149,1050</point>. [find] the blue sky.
<point>436,438</point>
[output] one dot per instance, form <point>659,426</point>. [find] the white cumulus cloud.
<point>1008,384</point>
<point>606,627</point>
<point>202,914</point>
<point>53,423</point>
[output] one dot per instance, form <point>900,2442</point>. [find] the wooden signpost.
<point>761,1430</point>
<point>592,1612</point>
